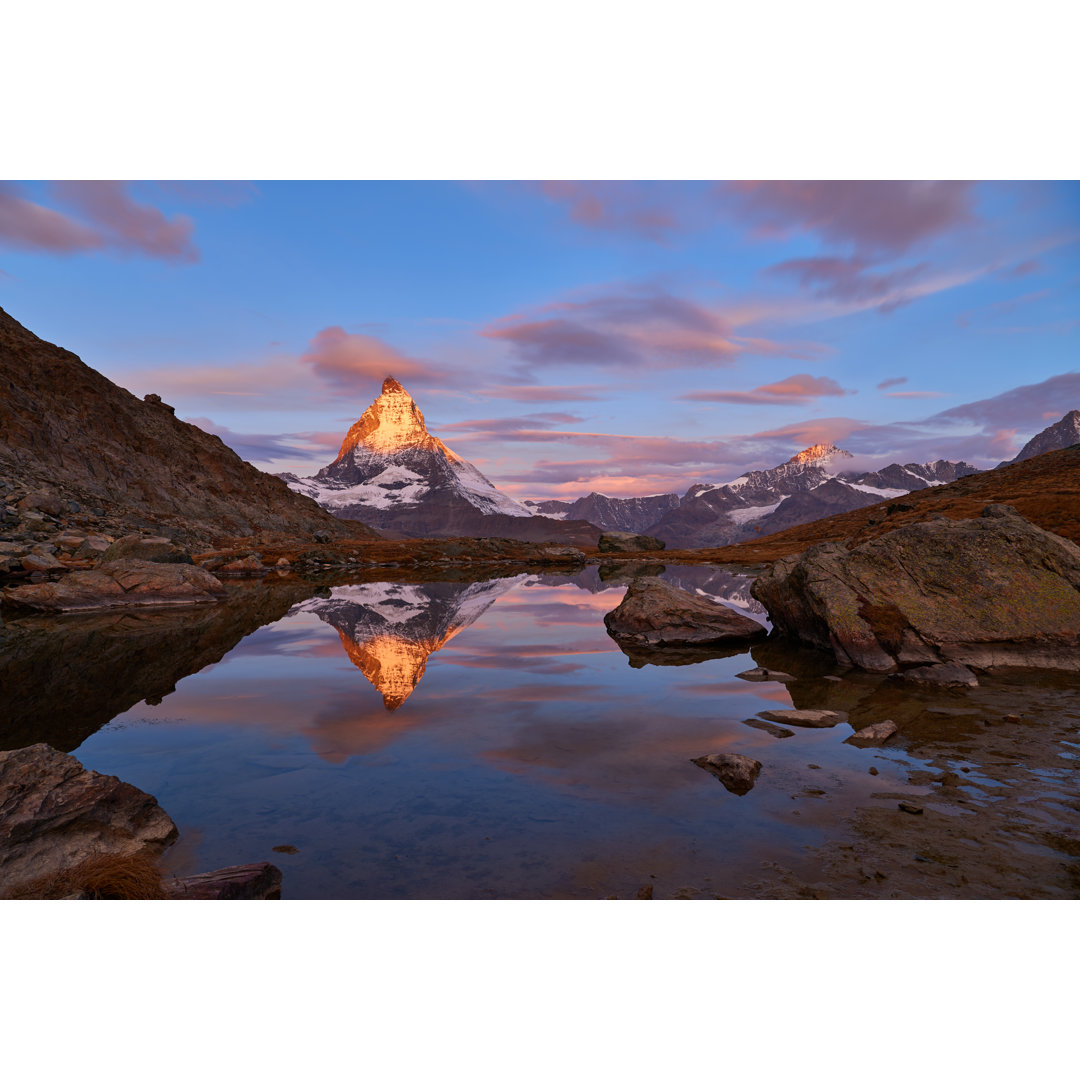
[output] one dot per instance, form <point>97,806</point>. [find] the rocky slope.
<point>391,473</point>
<point>1059,436</point>
<point>108,459</point>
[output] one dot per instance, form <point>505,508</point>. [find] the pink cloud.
<point>794,390</point>
<point>355,361</point>
<point>896,381</point>
<point>27,226</point>
<point>111,219</point>
<point>883,217</point>
<point>267,448</point>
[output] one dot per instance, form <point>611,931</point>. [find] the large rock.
<point>625,541</point>
<point>120,584</point>
<point>55,814</point>
<point>993,591</point>
<point>159,549</point>
<point>654,613</point>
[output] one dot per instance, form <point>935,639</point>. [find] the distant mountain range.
<point>393,475</point>
<point>804,488</point>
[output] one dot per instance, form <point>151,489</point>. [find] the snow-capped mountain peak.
<point>393,421</point>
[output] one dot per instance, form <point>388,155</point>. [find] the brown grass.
<point>100,877</point>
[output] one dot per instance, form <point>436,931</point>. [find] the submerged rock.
<point>654,613</point>
<point>737,772</point>
<point>127,583</point>
<point>626,541</point>
<point>808,718</point>
<point>771,729</point>
<point>951,674</point>
<point>993,591</point>
<point>760,674</point>
<point>54,813</point>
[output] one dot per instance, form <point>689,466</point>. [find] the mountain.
<point>808,486</point>
<point>389,629</point>
<point>68,431</point>
<point>1065,433</point>
<point>392,474</point>
<point>622,515</point>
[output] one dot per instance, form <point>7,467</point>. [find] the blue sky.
<point>567,337</point>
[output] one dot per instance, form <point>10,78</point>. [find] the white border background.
<point>583,90</point>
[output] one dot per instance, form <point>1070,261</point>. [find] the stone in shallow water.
<point>656,614</point>
<point>737,772</point>
<point>873,734</point>
<point>940,675</point>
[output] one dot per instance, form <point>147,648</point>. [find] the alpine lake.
<point>484,738</point>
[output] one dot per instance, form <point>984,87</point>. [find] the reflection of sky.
<point>531,760</point>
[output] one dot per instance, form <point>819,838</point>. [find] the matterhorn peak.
<point>391,422</point>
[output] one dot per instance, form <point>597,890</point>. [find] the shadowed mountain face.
<point>391,473</point>
<point>637,515</point>
<point>1065,433</point>
<point>389,629</point>
<point>69,430</point>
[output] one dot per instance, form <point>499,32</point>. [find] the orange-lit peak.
<point>391,422</point>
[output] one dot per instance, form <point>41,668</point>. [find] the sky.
<point>566,337</point>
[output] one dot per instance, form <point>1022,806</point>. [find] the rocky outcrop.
<point>55,814</point>
<point>995,591</point>
<point>127,583</point>
<point>159,549</point>
<point>655,614</point>
<point>807,718</point>
<point>624,541</point>
<point>75,444</point>
<point>737,772</point>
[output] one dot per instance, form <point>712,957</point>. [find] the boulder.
<point>737,772</point>
<point>44,501</point>
<point>990,591</point>
<point>157,549</point>
<point>809,718</point>
<point>561,553</point>
<point>119,584</point>
<point>654,613</point>
<point>44,563</point>
<point>246,566</point>
<point>55,814</point>
<point>625,541</point>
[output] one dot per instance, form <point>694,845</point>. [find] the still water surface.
<point>472,740</point>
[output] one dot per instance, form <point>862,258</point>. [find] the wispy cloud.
<point>106,217</point>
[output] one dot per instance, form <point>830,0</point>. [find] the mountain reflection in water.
<point>389,629</point>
